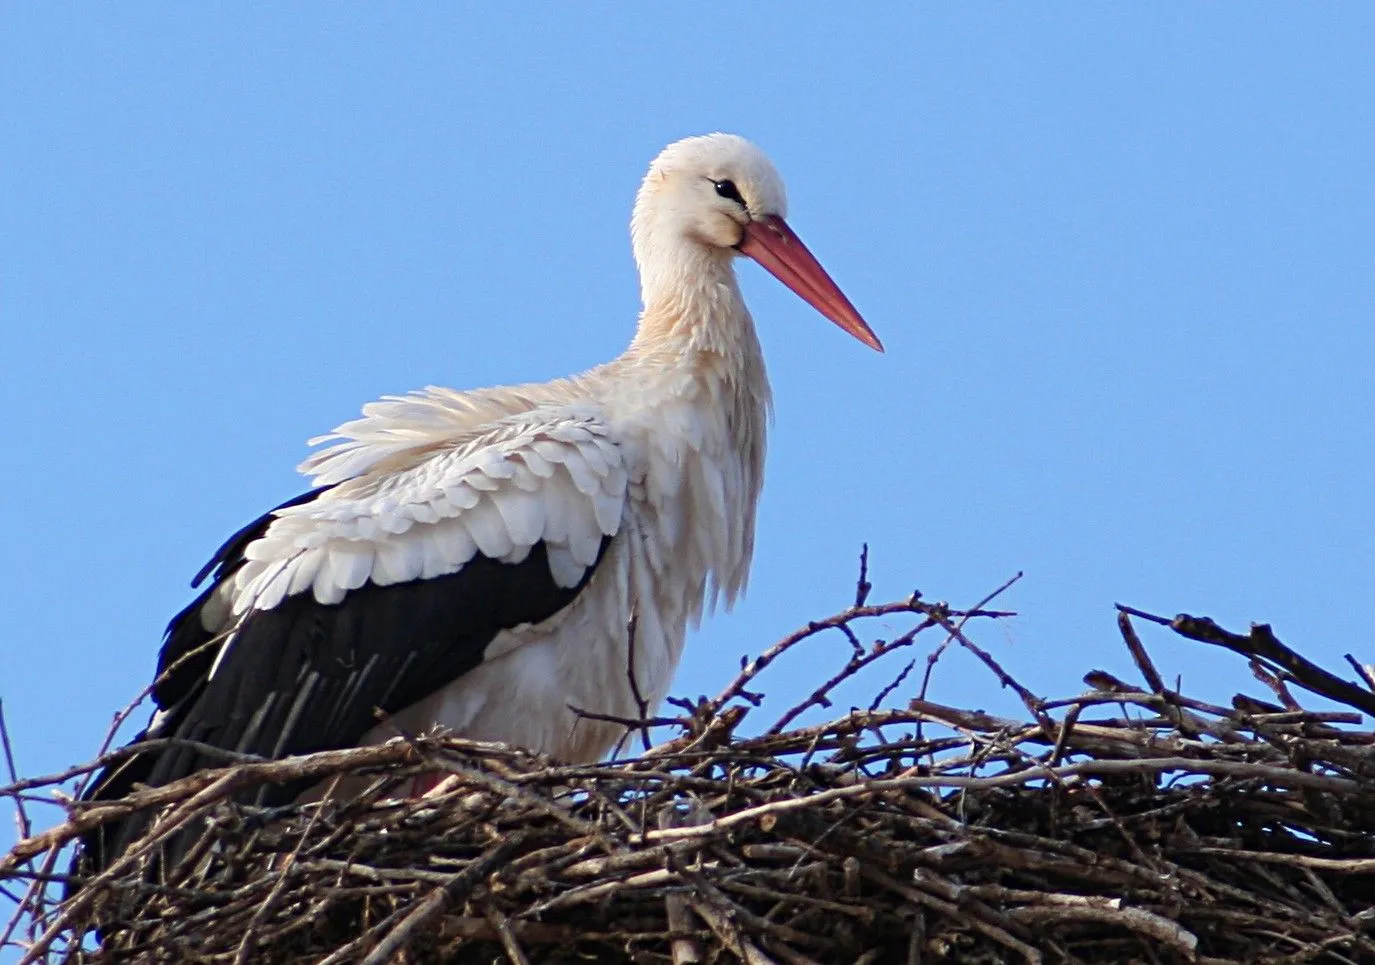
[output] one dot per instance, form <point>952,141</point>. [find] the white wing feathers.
<point>552,475</point>
<point>398,425</point>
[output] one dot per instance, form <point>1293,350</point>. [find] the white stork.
<point>474,560</point>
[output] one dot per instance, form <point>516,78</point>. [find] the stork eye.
<point>729,191</point>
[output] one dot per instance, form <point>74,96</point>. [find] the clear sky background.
<point>1123,259</point>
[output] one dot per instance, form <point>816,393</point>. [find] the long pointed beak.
<point>772,243</point>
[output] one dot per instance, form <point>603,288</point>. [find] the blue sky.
<point>1122,257</point>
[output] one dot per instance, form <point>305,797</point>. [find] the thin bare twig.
<point>862,585</point>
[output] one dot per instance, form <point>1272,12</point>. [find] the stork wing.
<point>372,593</point>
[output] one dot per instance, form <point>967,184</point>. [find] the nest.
<point>1124,824</point>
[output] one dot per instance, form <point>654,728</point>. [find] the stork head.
<point>718,195</point>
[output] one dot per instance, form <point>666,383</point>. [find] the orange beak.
<point>772,243</point>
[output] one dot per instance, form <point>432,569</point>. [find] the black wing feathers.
<point>307,676</point>
<point>188,648</point>
<point>304,677</point>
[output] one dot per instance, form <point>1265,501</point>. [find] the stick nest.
<point>1125,824</point>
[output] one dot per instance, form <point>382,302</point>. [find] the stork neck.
<point>699,394</point>
<point>692,304</point>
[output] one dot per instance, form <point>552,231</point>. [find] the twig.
<point>913,605</point>
<point>1367,671</point>
<point>24,825</point>
<point>934,656</point>
<point>502,925</point>
<point>127,751</point>
<point>641,704</point>
<point>1261,642</point>
<point>32,902</point>
<point>862,585</point>
<point>1154,926</point>
<point>436,901</point>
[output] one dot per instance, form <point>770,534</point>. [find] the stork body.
<point>487,561</point>
<point>661,461</point>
